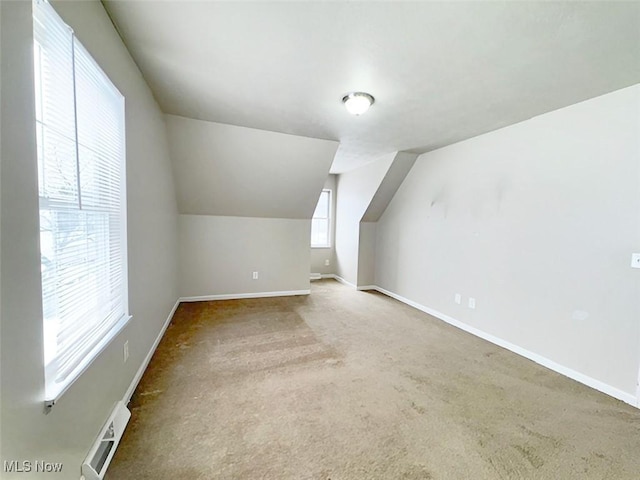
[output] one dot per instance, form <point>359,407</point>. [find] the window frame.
<point>328,219</point>
<point>101,331</point>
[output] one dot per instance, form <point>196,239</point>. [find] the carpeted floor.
<point>354,385</point>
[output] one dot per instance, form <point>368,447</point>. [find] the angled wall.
<point>355,190</point>
<point>537,223</point>
<point>394,177</point>
<point>362,196</point>
<point>402,163</point>
<point>244,172</point>
<point>68,431</point>
<point>246,198</point>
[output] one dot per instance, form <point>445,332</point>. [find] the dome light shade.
<point>357,103</point>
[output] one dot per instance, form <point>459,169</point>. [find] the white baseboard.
<point>539,359</point>
<point>349,284</point>
<point>319,276</point>
<point>342,280</point>
<point>145,364</point>
<point>238,296</point>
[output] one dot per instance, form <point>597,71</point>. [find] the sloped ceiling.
<point>441,72</point>
<point>236,171</point>
<point>392,180</point>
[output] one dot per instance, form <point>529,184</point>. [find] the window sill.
<point>54,392</point>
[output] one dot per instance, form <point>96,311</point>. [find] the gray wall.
<point>246,198</point>
<point>236,171</point>
<point>367,254</point>
<point>67,432</point>
<point>355,190</point>
<point>219,254</point>
<point>389,185</point>
<point>402,163</point>
<point>320,255</point>
<point>537,222</point>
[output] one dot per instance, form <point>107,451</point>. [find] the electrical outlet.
<point>255,275</point>
<point>472,303</point>
<point>457,298</point>
<point>126,351</point>
<point>635,260</point>
<point>327,263</point>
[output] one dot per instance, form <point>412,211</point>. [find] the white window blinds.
<point>320,223</point>
<point>81,178</point>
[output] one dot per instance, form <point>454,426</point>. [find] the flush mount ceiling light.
<point>357,103</point>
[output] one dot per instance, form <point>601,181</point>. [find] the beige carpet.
<point>354,385</point>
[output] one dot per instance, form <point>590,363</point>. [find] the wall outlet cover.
<point>472,303</point>
<point>457,298</point>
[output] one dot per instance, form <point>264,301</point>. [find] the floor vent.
<point>100,455</point>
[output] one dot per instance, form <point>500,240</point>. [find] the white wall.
<point>355,190</point>
<point>389,185</point>
<point>219,254</point>
<point>367,254</point>
<point>537,221</point>
<point>320,255</point>
<point>67,432</point>
<point>402,163</point>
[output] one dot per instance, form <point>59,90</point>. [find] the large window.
<point>321,222</point>
<point>81,179</point>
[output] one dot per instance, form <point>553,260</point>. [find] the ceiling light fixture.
<point>357,103</point>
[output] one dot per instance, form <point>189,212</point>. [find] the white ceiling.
<point>440,71</point>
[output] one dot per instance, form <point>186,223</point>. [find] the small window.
<point>81,178</point>
<point>321,222</point>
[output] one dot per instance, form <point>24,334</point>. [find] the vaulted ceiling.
<point>440,71</point>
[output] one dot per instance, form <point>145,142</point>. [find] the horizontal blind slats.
<point>80,134</point>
